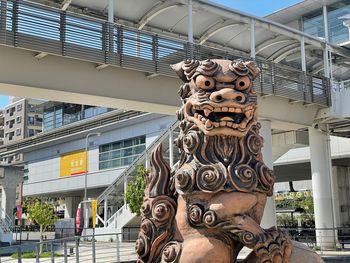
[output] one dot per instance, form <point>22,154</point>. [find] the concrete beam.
<point>156,10</point>
<point>65,4</point>
<point>216,28</point>
<point>68,80</point>
<point>271,42</point>
<point>41,55</point>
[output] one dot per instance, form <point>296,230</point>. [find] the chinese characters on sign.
<point>73,163</point>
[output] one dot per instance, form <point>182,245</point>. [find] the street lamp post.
<point>86,221</point>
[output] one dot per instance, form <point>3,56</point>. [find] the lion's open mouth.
<point>222,116</point>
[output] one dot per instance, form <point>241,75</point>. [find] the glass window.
<point>18,132</point>
<point>19,107</point>
<point>337,31</point>
<point>31,120</point>
<point>314,24</point>
<point>19,119</point>
<point>31,132</point>
<point>121,153</point>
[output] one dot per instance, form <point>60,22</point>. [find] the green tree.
<point>308,205</point>
<point>135,191</point>
<point>42,213</point>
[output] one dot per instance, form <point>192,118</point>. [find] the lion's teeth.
<point>199,116</point>
<point>203,120</point>
<point>224,109</point>
<point>209,125</point>
<point>248,113</point>
<point>231,109</point>
<point>229,124</point>
<point>196,115</point>
<point>216,124</point>
<point>226,119</point>
<point>243,125</point>
<point>223,123</point>
<point>238,110</point>
<point>207,112</point>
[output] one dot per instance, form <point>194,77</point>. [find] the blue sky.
<point>255,7</point>
<point>3,101</point>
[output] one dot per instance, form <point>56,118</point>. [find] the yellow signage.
<point>292,195</point>
<point>93,212</point>
<point>73,163</point>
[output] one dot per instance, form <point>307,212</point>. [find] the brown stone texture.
<point>209,205</point>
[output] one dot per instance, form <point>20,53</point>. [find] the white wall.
<point>44,164</point>
<point>340,148</point>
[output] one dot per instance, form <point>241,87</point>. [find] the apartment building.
<point>22,119</point>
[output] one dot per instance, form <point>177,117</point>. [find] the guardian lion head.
<point>218,95</point>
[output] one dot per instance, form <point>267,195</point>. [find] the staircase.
<point>116,214</point>
<point>5,227</point>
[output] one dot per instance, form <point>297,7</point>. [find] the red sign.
<point>19,211</point>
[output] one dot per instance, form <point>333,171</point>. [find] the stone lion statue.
<point>209,205</point>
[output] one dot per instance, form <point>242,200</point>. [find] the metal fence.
<point>112,247</point>
<point>72,249</point>
<point>315,238</point>
<point>48,30</point>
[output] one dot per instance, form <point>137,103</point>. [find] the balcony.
<point>35,124</point>
<point>51,31</point>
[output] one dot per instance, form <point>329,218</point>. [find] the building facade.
<point>57,114</point>
<point>56,170</point>
<point>22,119</point>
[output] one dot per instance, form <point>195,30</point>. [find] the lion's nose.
<point>227,95</point>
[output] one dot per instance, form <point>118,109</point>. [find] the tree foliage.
<point>306,216</point>
<point>135,191</point>
<point>42,213</point>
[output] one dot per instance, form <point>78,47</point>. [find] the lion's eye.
<point>204,82</point>
<point>242,83</point>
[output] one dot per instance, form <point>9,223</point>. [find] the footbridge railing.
<point>109,198</point>
<point>47,30</point>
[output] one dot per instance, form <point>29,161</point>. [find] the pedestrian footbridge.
<point>56,54</point>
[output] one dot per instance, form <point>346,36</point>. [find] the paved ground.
<point>106,252</point>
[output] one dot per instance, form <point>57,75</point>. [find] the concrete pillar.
<point>269,217</point>
<point>302,53</point>
<point>252,39</point>
<point>326,72</point>
<point>105,211</point>
<point>10,177</point>
<point>322,188</point>
<point>337,173</point>
<point>325,23</point>
<point>8,199</point>
<point>341,190</point>
<point>326,36</point>
<point>71,206</point>
<point>111,11</point>
<point>190,22</point>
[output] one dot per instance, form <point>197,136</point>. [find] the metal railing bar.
<point>154,50</point>
<point>133,165</point>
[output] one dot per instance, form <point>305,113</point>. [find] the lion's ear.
<point>253,68</point>
<point>178,68</point>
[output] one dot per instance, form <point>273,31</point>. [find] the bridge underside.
<point>69,80</point>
